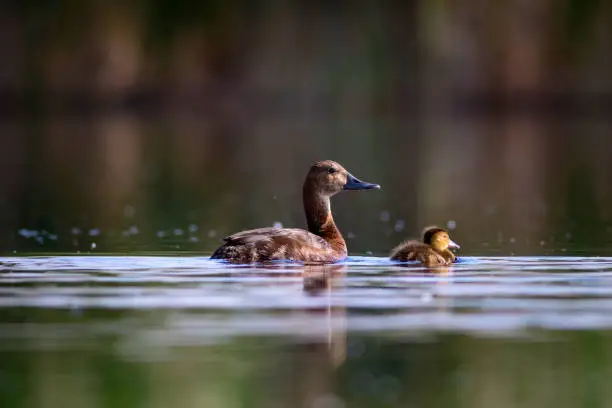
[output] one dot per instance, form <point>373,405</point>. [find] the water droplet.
<point>133,230</point>
<point>93,245</point>
<point>512,240</point>
<point>350,235</point>
<point>567,236</point>
<point>125,233</point>
<point>369,252</point>
<point>277,224</point>
<point>75,231</point>
<point>94,232</point>
<point>178,232</point>
<point>14,251</point>
<point>451,224</point>
<point>542,243</point>
<point>399,225</point>
<point>385,216</point>
<point>52,237</point>
<point>193,239</point>
<point>161,234</point>
<point>39,239</point>
<point>26,233</point>
<point>193,228</point>
<point>212,233</point>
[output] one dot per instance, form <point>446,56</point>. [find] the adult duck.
<point>433,251</point>
<point>322,243</point>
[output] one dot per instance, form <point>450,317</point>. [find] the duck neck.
<point>320,219</point>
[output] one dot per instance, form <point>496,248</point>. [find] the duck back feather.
<point>275,244</point>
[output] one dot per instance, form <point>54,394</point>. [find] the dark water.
<point>151,331</point>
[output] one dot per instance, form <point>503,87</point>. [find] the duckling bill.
<point>322,243</point>
<point>433,251</point>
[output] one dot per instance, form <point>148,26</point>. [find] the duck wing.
<point>273,244</point>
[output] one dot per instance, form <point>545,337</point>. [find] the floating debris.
<point>94,232</point>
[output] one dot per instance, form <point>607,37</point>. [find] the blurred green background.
<point>163,125</point>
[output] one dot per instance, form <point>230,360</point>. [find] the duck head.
<point>329,178</point>
<point>439,239</point>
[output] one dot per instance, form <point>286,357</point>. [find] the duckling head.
<point>439,239</point>
<point>329,178</point>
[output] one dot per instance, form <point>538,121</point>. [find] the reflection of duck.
<point>433,251</point>
<point>321,243</point>
<point>319,281</point>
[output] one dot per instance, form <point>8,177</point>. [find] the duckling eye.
<point>331,170</point>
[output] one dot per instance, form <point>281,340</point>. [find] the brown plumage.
<point>322,242</point>
<point>433,251</point>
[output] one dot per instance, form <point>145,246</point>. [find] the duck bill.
<point>453,244</point>
<point>353,183</point>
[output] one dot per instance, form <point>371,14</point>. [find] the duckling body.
<point>433,251</point>
<point>322,243</point>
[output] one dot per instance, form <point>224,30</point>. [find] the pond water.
<point>126,331</point>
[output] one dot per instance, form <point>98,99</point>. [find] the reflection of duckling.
<point>433,251</point>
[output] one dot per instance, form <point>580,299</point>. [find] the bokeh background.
<point>163,125</point>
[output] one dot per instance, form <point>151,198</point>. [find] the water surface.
<point>140,330</point>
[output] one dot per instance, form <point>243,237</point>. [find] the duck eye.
<point>331,170</point>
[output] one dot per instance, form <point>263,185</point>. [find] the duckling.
<point>322,243</point>
<point>433,251</point>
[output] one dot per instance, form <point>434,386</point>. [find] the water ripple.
<point>197,300</point>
